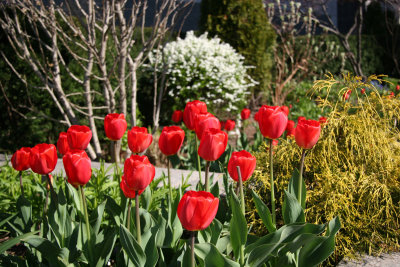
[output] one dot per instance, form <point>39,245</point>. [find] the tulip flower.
<point>290,128</point>
<point>78,137</point>
<point>191,110</point>
<point>138,139</point>
<point>20,162</point>
<point>212,145</point>
<point>241,166</point>
<point>128,193</point>
<point>272,121</point>
<point>346,95</point>
<point>62,143</point>
<point>20,159</point>
<point>204,123</point>
<point>245,114</point>
<point>196,211</point>
<point>229,125</point>
<point>177,116</point>
<point>138,174</point>
<point>300,118</point>
<point>115,126</point>
<point>391,95</point>
<point>363,91</point>
<point>397,87</point>
<point>43,158</point>
<point>322,120</point>
<point>78,167</point>
<point>285,109</point>
<point>170,141</point>
<point>306,135</point>
<point>256,116</point>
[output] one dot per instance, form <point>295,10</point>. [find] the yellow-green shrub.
<point>353,171</point>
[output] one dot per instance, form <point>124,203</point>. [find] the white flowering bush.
<point>204,69</point>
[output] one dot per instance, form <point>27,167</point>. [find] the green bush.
<point>352,172</point>
<point>245,26</point>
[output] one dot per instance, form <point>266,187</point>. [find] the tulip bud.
<point>43,158</point>
<point>196,210</point>
<point>245,114</point>
<point>177,116</point>
<point>290,128</point>
<point>272,121</point>
<point>307,133</point>
<point>212,144</point>
<point>191,110</point>
<point>78,167</point>
<point>20,159</point>
<point>206,122</point>
<point>62,143</point>
<point>171,140</point>
<point>138,172</point>
<point>138,139</point>
<point>229,125</point>
<point>245,161</point>
<point>115,126</point>
<point>78,137</point>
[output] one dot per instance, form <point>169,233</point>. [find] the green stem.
<point>53,193</point>
<point>116,154</point>
<point>198,158</point>
<point>20,183</point>
<point>192,239</point>
<point>300,185</point>
<point>241,189</point>
<point>206,180</point>
<point>271,166</point>
<point>138,234</point>
<point>169,179</point>
<point>86,218</point>
<point>128,221</point>
<point>242,255</point>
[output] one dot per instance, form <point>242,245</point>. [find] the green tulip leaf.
<point>131,247</point>
<point>238,226</point>
<point>263,212</point>
<point>12,242</point>
<point>104,248</point>
<point>49,250</point>
<point>97,216</point>
<point>293,187</point>
<point>212,257</point>
<point>25,208</point>
<point>292,210</point>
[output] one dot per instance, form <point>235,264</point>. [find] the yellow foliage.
<point>352,172</point>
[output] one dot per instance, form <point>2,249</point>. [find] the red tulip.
<point>212,144</point>
<point>391,94</point>
<point>138,172</point>
<point>307,133</point>
<point>363,91</point>
<point>43,158</point>
<point>62,143</point>
<point>204,123</point>
<point>245,114</point>
<point>115,126</point>
<point>322,120</point>
<point>129,193</point>
<point>20,159</point>
<point>191,110</point>
<point>196,210</point>
<point>290,128</point>
<point>78,167</point>
<point>285,109</point>
<point>397,87</point>
<point>272,121</point>
<point>229,125</point>
<point>78,137</point>
<point>177,116</point>
<point>171,140</point>
<point>138,139</point>
<point>346,95</point>
<point>245,161</point>
<point>256,115</point>
<point>300,118</point>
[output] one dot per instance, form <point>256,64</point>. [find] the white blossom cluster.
<point>204,69</point>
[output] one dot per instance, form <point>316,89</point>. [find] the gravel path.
<point>384,260</point>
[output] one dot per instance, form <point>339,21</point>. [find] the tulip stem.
<point>241,189</point>
<point>138,234</point>
<point>192,239</point>
<point>206,180</point>
<point>115,151</point>
<point>300,185</point>
<point>128,222</point>
<point>198,158</point>
<point>169,179</point>
<point>86,218</point>
<point>20,183</point>
<point>271,167</point>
